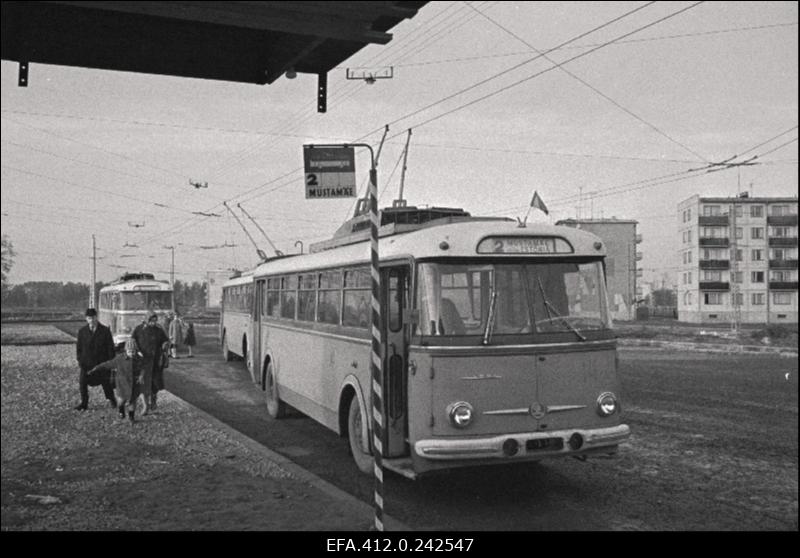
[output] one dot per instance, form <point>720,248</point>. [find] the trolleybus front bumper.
<point>523,445</point>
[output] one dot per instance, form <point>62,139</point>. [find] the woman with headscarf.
<point>127,370</point>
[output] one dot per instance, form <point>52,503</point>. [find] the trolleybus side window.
<point>357,297</point>
<point>307,297</point>
<point>274,297</point>
<point>330,297</point>
<point>398,293</point>
<point>288,296</point>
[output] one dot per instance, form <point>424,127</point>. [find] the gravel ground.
<point>172,470</point>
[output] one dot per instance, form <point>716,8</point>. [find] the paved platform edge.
<point>390,523</point>
<point>709,347</point>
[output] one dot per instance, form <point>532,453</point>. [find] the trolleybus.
<point>124,303</point>
<point>497,345</point>
<point>237,302</point>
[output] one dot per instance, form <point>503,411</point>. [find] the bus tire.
<point>275,407</point>
<point>226,354</point>
<point>363,459</point>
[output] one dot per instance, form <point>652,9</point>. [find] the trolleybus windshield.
<point>456,299</point>
<point>146,300</point>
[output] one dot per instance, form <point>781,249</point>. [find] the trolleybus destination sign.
<point>330,171</point>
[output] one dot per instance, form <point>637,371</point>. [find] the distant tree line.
<point>53,294</point>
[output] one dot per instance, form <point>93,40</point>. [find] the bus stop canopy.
<point>249,42</point>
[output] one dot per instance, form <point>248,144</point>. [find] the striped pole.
<point>376,364</point>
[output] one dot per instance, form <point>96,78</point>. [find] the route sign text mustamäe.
<point>330,172</point>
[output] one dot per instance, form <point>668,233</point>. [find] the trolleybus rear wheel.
<point>358,446</point>
<point>275,407</point>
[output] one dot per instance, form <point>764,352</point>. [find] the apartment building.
<point>738,260</point>
<point>620,238</point>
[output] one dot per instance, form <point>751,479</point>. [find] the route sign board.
<point>330,171</point>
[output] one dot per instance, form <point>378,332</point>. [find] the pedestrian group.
<point>138,370</point>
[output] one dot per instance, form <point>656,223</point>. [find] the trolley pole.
<point>92,296</point>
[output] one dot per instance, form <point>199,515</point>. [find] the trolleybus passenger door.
<point>395,287</point>
<point>255,330</point>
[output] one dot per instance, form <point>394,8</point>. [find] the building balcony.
<point>637,239</point>
<point>783,264</point>
<point>783,285</point>
<point>715,264</point>
<point>640,272</point>
<point>783,241</point>
<point>715,286</point>
<point>784,220</point>
<point>638,256</point>
<point>708,241</point>
<point>713,220</point>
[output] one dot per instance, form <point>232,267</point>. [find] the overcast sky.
<point>613,132</point>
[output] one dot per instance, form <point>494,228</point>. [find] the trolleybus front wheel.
<point>359,447</point>
<point>275,407</point>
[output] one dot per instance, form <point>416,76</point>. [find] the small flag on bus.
<point>537,202</point>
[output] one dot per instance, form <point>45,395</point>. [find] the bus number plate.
<point>546,443</point>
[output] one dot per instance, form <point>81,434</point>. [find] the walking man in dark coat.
<point>153,343</point>
<point>95,345</point>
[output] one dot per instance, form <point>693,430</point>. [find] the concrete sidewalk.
<point>356,509</point>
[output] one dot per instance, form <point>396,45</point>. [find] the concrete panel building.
<point>738,260</point>
<point>620,238</point>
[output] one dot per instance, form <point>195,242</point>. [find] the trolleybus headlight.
<point>460,414</point>
<point>607,404</point>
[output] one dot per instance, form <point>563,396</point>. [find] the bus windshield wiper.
<point>487,333</point>
<point>551,310</point>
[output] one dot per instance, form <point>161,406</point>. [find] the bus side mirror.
<point>411,316</point>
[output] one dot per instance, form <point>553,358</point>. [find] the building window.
<point>756,211</point>
<point>712,299</point>
<point>756,255</point>
<point>782,232</point>
<point>737,276</point>
<point>711,210</point>
<point>710,275</point>
<point>715,232</point>
<point>756,276</point>
<point>780,276</point>
<point>739,210</point>
<point>739,233</point>
<point>689,256</point>
<point>782,254</point>
<point>756,232</point>
<point>781,298</point>
<point>690,277</point>
<point>689,214</point>
<point>779,210</point>
<point>687,298</point>
<point>738,255</point>
<point>738,299</point>
<point>690,237</point>
<point>757,299</point>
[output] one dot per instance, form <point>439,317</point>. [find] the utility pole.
<point>92,298</point>
<point>172,275</point>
